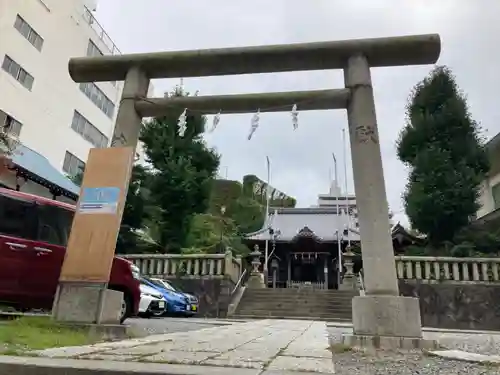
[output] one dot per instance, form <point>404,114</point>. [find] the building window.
<point>495,191</point>
<point>88,131</point>
<point>9,124</point>
<point>98,98</point>
<point>27,31</point>
<point>93,50</point>
<point>16,71</point>
<point>72,165</point>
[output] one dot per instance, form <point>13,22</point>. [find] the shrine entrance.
<point>309,267</point>
<point>310,262</point>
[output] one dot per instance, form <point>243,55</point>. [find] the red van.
<point>34,232</point>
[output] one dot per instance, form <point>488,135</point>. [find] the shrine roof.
<point>321,224</point>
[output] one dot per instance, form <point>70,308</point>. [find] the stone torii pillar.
<point>381,316</point>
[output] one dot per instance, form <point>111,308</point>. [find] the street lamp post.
<point>345,183</point>
<point>222,212</point>
<point>266,249</point>
<point>339,246</point>
<point>339,259</point>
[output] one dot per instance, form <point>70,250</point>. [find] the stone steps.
<point>310,314</point>
<point>323,319</point>
<point>304,292</point>
<point>290,306</point>
<point>333,310</point>
<point>244,305</point>
<point>328,305</point>
<point>309,309</point>
<point>301,302</point>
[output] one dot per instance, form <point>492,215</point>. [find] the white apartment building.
<point>39,102</point>
<point>490,188</point>
<point>335,197</point>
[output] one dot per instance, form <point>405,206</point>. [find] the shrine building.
<point>303,242</point>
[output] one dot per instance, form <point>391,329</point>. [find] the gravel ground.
<point>388,362</point>
<point>405,364</point>
<point>481,343</point>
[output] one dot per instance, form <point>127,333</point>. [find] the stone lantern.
<point>349,282</point>
<point>256,279</point>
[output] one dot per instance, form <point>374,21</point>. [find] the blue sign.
<point>102,200</point>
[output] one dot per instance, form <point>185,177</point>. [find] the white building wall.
<point>47,110</point>
<point>486,198</point>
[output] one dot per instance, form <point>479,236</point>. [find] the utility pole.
<point>266,251</point>
<point>346,192</point>
<point>337,209</point>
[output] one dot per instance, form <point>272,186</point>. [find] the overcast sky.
<point>301,160</point>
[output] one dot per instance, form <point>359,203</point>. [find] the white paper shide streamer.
<point>295,117</point>
<point>182,123</point>
<point>254,124</point>
<point>215,122</point>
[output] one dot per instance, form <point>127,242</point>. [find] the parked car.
<point>152,302</point>
<point>34,232</point>
<point>193,300</point>
<point>177,303</point>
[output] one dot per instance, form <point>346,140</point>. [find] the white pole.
<point>346,192</point>
<point>337,209</point>
<point>266,251</point>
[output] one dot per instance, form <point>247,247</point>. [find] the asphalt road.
<point>156,326</point>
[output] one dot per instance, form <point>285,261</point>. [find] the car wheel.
<point>126,309</point>
<point>158,313</point>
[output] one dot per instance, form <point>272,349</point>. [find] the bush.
<point>463,250</point>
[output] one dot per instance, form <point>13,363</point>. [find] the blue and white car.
<point>177,303</point>
<point>193,300</point>
<point>152,302</point>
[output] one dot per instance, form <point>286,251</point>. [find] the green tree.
<point>137,210</point>
<point>247,213</point>
<point>77,179</point>
<point>441,145</point>
<point>183,172</point>
<point>213,234</point>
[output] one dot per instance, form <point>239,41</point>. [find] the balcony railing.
<point>103,36</point>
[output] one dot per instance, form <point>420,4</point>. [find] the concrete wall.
<point>214,294</point>
<point>456,306</point>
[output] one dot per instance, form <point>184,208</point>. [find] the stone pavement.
<point>273,345</point>
<point>267,347</point>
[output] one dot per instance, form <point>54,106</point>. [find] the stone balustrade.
<point>448,269</point>
<point>418,268</point>
<point>188,265</point>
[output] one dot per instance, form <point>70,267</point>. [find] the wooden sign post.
<point>82,292</point>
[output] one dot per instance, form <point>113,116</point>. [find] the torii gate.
<point>381,315</point>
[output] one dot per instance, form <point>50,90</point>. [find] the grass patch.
<point>339,348</point>
<point>35,333</point>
